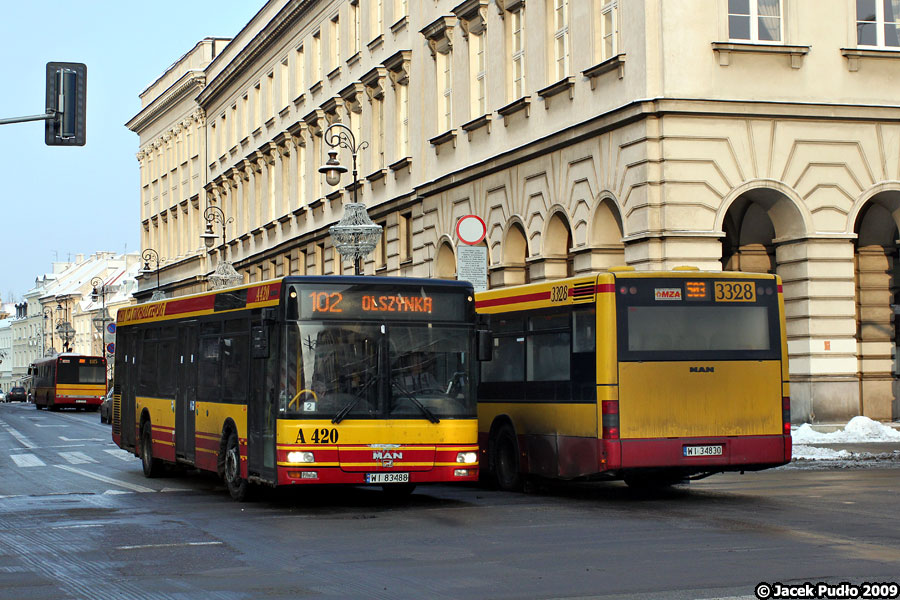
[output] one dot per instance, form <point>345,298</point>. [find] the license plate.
<point>703,450</point>
<point>81,402</point>
<point>387,477</point>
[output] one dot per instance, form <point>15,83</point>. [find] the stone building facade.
<point>755,135</point>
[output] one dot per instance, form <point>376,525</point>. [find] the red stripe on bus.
<point>513,299</point>
<point>189,305</point>
<point>606,288</point>
<point>779,289</point>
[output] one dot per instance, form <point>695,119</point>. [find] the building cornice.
<point>282,23</point>
<point>184,87</point>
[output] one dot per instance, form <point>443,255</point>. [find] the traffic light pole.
<point>66,106</point>
<point>26,119</point>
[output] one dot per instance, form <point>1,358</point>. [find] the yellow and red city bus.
<point>304,380</point>
<point>650,377</point>
<point>68,380</point>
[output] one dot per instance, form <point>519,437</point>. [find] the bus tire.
<point>152,466</point>
<point>505,460</point>
<point>238,487</point>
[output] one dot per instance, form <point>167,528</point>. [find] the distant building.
<point>755,136</point>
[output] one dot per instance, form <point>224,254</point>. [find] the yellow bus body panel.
<point>530,418</point>
<point>665,399</point>
<point>161,410</point>
<point>448,431</point>
<point>81,389</point>
<point>210,417</point>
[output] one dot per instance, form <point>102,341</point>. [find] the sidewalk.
<point>857,441</point>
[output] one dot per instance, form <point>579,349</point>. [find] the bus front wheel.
<point>505,460</point>
<point>152,466</point>
<point>238,487</point>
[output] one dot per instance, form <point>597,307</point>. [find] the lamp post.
<point>63,327</point>
<point>99,292</point>
<point>355,235</point>
<point>148,255</point>
<point>48,318</point>
<point>225,275</point>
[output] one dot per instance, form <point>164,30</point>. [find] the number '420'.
<point>317,436</point>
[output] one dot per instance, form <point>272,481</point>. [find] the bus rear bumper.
<point>77,400</point>
<point>703,454</point>
<point>300,475</point>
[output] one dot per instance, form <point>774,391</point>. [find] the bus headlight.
<point>468,458</point>
<point>300,457</point>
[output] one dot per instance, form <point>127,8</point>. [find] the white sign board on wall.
<point>471,266</point>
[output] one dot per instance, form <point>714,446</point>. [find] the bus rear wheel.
<point>152,466</point>
<point>238,487</point>
<point>505,460</point>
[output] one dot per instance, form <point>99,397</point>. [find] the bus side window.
<point>583,330</point>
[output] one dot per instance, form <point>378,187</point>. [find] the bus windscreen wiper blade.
<point>350,405</point>
<point>414,400</point>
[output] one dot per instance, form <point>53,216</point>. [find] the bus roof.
<point>257,295</point>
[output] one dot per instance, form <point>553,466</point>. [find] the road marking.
<point>121,454</point>
<point>21,438</point>
<point>183,545</point>
<point>78,526</point>
<point>39,425</point>
<point>77,458</point>
<point>65,439</point>
<point>27,460</point>
<point>129,486</point>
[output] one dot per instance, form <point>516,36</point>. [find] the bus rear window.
<point>697,328</point>
<point>666,319</point>
<point>81,373</point>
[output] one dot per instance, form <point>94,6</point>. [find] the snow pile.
<point>859,430</point>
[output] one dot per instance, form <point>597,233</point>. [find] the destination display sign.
<point>358,302</point>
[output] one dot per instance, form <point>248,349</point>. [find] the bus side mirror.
<point>485,344</point>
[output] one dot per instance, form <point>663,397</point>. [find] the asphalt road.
<point>79,521</point>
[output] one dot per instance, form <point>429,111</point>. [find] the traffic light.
<point>67,98</point>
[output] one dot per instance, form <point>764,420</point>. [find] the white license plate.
<point>703,450</point>
<point>81,402</point>
<point>387,477</point>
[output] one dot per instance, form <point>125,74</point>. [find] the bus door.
<point>186,392</point>
<point>126,379</point>
<point>262,400</point>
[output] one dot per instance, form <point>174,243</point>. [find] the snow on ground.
<point>859,430</point>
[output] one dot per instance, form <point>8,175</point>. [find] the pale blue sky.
<point>62,201</point>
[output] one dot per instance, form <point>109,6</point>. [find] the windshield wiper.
<point>360,394</point>
<point>415,401</point>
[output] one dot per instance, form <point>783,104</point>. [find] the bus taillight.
<point>786,414</point>
<point>610,410</point>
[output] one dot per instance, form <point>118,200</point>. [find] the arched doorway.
<point>557,260</point>
<point>445,262</point>
<point>877,278</point>
<point>749,233</point>
<point>606,248</point>
<point>514,254</point>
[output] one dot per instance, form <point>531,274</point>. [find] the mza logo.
<point>703,369</point>
<point>668,293</point>
<point>387,458</point>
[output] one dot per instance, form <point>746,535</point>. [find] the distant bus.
<point>68,380</point>
<point>650,377</point>
<point>303,380</point>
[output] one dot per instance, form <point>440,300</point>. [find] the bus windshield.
<point>90,371</point>
<point>339,370</point>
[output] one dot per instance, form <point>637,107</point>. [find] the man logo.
<point>703,369</point>
<point>378,455</point>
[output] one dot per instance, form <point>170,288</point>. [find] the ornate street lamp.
<point>48,319</point>
<point>98,293</point>
<point>148,255</point>
<point>355,235</point>
<point>225,275</point>
<point>64,329</point>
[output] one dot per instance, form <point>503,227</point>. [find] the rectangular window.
<point>445,91</point>
<point>477,68</point>
<point>355,27</point>
<point>299,71</point>
<point>608,29</point>
<point>401,9</point>
<point>270,96</point>
<point>257,106</point>
<point>317,57</point>
<point>402,120</point>
<point>284,82</point>
<point>405,237</point>
<point>561,38</point>
<point>377,23</point>
<point>517,54</point>
<point>335,42</point>
<point>381,248</point>
<point>755,20</point>
<point>245,116</point>
<point>319,265</point>
<point>878,23</point>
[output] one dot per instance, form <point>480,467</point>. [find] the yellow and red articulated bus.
<point>304,380</point>
<point>68,381</point>
<point>650,377</point>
